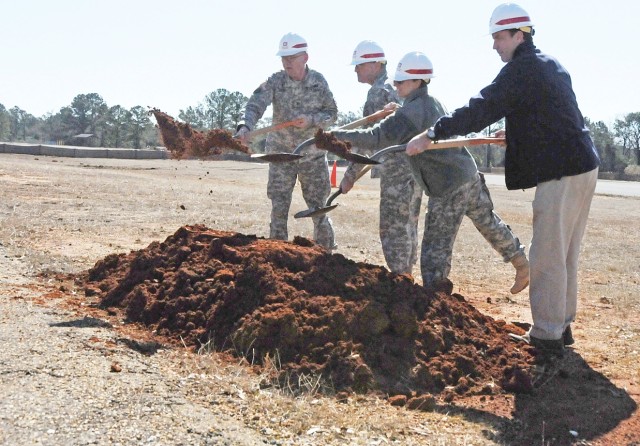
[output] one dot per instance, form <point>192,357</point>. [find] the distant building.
<point>84,140</point>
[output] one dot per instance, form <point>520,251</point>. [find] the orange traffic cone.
<point>334,181</point>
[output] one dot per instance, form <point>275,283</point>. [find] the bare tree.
<point>628,130</point>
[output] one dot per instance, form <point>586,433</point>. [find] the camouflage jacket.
<point>380,94</point>
<point>437,171</point>
<point>291,99</point>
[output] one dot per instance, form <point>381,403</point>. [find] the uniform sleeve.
<point>260,99</point>
<point>395,129</point>
<point>490,105</point>
<point>327,112</point>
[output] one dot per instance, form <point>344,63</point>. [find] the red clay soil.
<point>361,327</point>
<point>184,142</point>
<point>326,141</point>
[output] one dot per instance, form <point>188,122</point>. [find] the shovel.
<point>315,212</point>
<point>443,144</point>
<point>295,155</point>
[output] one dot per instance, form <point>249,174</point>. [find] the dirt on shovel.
<point>182,141</point>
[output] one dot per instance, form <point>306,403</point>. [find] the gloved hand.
<point>346,184</point>
<point>242,133</point>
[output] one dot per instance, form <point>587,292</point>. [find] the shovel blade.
<point>315,212</point>
<point>276,157</point>
<point>359,159</point>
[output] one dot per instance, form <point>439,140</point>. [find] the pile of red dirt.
<point>358,325</point>
<point>326,141</point>
<point>182,141</point>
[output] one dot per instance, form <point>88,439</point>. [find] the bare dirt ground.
<point>71,373</point>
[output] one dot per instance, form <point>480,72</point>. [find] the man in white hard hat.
<point>371,68</point>
<point>297,92</point>
<point>549,148</point>
<point>450,178</point>
<point>399,209</point>
<point>370,64</point>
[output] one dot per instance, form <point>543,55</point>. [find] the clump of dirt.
<point>361,327</point>
<point>182,141</point>
<point>326,141</point>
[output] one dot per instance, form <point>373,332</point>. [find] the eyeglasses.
<point>292,57</point>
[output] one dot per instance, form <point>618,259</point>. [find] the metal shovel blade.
<point>276,157</point>
<point>315,212</point>
<point>359,159</point>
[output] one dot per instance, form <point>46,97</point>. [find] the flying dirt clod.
<point>182,141</point>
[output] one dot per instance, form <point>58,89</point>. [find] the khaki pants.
<point>560,211</point>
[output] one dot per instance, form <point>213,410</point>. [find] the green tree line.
<point>117,126</point>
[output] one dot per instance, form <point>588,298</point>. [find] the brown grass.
<point>65,214</point>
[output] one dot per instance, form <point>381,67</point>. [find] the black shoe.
<point>548,348</point>
<point>567,336</point>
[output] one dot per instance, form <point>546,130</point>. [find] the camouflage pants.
<point>400,199</point>
<point>443,219</point>
<point>313,173</point>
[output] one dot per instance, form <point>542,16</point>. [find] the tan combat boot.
<point>521,264</point>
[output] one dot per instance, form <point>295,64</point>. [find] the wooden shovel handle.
<point>373,117</point>
<point>274,128</point>
<point>459,142</point>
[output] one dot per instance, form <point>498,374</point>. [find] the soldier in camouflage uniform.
<point>449,177</point>
<point>297,92</point>
<point>399,197</point>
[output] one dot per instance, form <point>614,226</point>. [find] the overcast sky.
<point>170,54</point>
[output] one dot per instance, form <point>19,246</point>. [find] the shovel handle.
<point>373,117</point>
<point>459,142</point>
<point>274,128</point>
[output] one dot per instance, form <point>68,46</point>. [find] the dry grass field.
<point>63,215</point>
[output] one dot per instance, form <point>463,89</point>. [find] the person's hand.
<point>242,134</point>
<point>346,184</point>
<point>391,107</point>
<point>500,134</point>
<point>418,144</point>
<point>303,122</point>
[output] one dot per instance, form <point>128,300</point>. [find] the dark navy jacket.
<point>546,135</point>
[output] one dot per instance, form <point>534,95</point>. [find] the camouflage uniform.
<point>455,188</point>
<point>291,99</point>
<point>451,180</point>
<point>380,94</point>
<point>400,198</point>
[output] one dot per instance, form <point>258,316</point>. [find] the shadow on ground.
<point>574,406</point>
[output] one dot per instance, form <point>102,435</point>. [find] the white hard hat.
<point>414,66</point>
<point>509,16</point>
<point>290,44</point>
<point>368,51</point>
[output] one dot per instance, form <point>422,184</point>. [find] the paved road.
<point>603,187</point>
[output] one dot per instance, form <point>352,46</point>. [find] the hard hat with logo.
<point>368,51</point>
<point>414,65</point>
<point>509,16</point>
<point>290,44</point>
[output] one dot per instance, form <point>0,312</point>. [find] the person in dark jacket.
<point>549,148</point>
